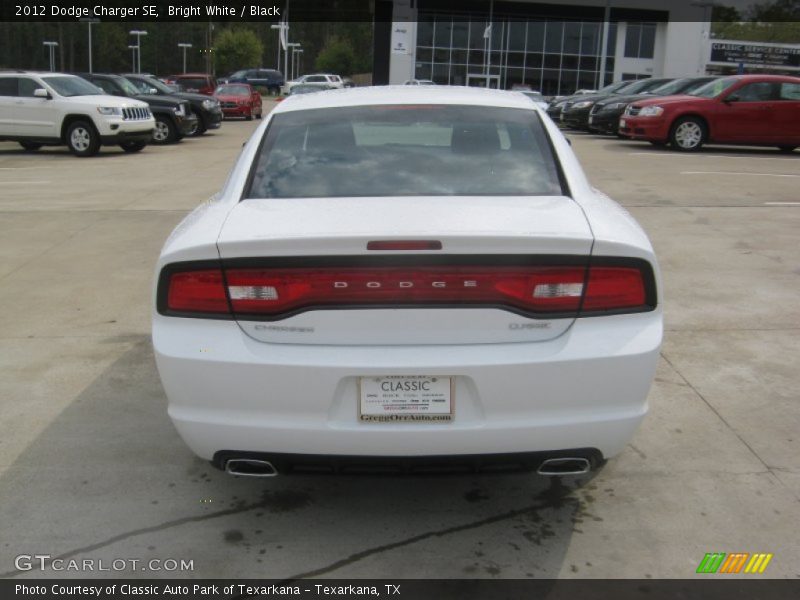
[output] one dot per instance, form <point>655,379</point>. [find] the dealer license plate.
<point>590,120</point>
<point>622,122</point>
<point>399,398</point>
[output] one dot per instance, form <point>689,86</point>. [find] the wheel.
<point>132,146</point>
<point>165,131</point>
<point>260,114</point>
<point>200,129</point>
<point>30,146</point>
<point>83,139</point>
<point>249,116</point>
<point>688,134</point>
<point>787,149</point>
<point>195,128</point>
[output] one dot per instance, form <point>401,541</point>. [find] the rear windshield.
<point>408,150</point>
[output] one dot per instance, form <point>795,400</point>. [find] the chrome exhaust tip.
<point>250,467</point>
<point>564,466</point>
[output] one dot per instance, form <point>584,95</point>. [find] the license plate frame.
<point>398,403</point>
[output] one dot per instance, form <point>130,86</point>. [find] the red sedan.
<point>239,100</point>
<point>752,110</point>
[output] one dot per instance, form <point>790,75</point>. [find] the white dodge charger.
<point>407,279</point>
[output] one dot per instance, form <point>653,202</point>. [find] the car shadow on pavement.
<point>110,479</point>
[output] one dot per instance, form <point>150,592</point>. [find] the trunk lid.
<point>325,231</point>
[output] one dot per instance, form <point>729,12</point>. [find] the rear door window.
<point>789,91</point>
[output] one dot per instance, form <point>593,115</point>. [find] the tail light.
<point>271,293</point>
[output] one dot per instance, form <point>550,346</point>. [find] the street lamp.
<point>138,33</point>
<point>184,46</point>
<point>297,52</point>
<point>292,46</point>
<point>280,26</point>
<point>90,21</point>
<point>52,47</point>
<point>133,58</point>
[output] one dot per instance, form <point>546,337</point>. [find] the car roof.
<point>192,75</point>
<point>405,94</point>
<point>16,73</point>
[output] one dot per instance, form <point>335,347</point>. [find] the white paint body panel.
<point>268,391</point>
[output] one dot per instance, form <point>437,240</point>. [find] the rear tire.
<point>83,139</point>
<point>201,128</point>
<point>249,117</point>
<point>787,149</point>
<point>30,146</point>
<point>688,134</point>
<point>133,146</point>
<point>165,131</point>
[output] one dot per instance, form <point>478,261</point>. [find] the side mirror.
<point>732,98</point>
<point>152,90</point>
<point>41,93</point>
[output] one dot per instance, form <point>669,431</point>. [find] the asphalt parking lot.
<point>90,466</point>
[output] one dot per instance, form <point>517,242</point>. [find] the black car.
<point>174,117</point>
<point>207,109</point>
<point>270,79</point>
<point>605,114</point>
<point>557,105</point>
<point>576,115</point>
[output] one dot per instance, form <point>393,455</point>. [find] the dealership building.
<point>554,47</point>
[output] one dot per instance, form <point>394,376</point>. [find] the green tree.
<point>337,56</point>
<point>236,49</point>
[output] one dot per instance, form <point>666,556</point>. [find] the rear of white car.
<point>407,280</point>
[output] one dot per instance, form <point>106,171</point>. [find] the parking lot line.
<point>781,203</point>
<point>737,173</point>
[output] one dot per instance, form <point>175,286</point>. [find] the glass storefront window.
<point>555,57</point>
<point>460,34</point>
<point>516,36</point>
<point>572,38</point>
<point>554,33</point>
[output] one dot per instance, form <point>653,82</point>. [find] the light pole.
<point>138,33</point>
<point>133,58</point>
<point>184,46</point>
<point>52,47</point>
<point>280,27</point>
<point>90,21</point>
<point>298,52</point>
<point>292,46</point>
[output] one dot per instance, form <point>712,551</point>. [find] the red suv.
<point>197,83</point>
<point>753,110</point>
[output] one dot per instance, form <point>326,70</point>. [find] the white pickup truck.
<point>53,109</point>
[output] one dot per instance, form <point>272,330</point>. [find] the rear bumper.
<point>308,464</point>
<point>644,128</point>
<point>584,389</point>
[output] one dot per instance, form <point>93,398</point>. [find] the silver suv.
<point>38,109</point>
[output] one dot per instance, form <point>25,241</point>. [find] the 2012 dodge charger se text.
<point>407,279</point>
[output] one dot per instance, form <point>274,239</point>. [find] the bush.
<point>337,57</point>
<point>236,49</point>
